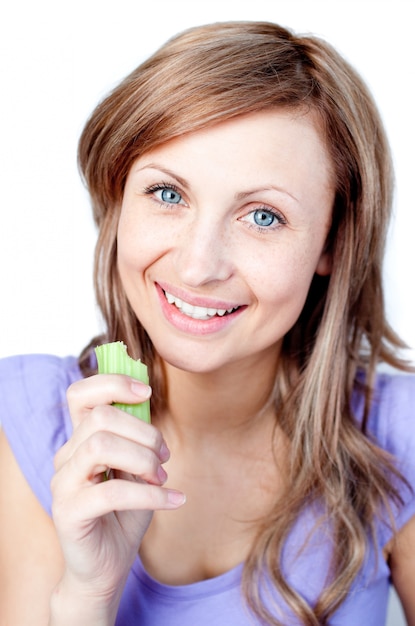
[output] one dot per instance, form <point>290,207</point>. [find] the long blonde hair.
<point>210,74</point>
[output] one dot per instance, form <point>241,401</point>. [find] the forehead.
<point>275,145</point>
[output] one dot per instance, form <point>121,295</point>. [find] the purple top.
<point>36,421</point>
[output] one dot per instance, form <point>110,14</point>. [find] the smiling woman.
<point>241,184</point>
<point>206,249</point>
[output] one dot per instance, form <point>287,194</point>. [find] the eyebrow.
<point>242,195</point>
<point>164,170</point>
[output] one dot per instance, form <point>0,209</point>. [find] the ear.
<point>325,263</point>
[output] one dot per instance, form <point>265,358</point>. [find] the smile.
<point>196,312</point>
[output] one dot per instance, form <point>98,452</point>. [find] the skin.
<point>206,249</point>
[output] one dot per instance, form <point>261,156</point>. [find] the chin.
<point>196,362</point>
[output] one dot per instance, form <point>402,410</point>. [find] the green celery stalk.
<point>113,359</point>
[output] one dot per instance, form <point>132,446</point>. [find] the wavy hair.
<point>210,74</point>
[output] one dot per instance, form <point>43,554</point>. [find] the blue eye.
<point>169,195</point>
<point>165,193</point>
<point>263,218</point>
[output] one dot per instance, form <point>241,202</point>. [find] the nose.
<point>203,253</point>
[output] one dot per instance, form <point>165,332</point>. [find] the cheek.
<point>282,282</point>
<point>127,258</point>
<point>137,244</point>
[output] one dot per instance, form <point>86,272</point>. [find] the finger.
<point>125,495</point>
<point>103,450</point>
<point>115,495</point>
<point>112,420</point>
<point>102,389</point>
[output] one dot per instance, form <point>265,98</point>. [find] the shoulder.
<point>34,415</point>
<point>33,382</point>
<point>29,368</point>
<point>392,415</point>
<point>392,424</point>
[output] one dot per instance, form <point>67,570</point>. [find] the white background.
<point>57,59</point>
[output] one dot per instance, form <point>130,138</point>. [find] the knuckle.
<point>158,498</point>
<point>98,417</point>
<point>98,443</point>
<point>116,385</point>
<point>149,460</point>
<point>72,392</point>
<point>60,456</point>
<point>151,473</point>
<point>155,438</point>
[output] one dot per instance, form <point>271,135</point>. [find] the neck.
<point>227,403</point>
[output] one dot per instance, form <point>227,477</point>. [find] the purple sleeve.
<point>34,415</point>
<point>392,421</point>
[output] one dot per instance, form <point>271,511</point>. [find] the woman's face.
<point>220,234</point>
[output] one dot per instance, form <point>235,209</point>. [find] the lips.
<point>196,315</point>
<point>197,312</point>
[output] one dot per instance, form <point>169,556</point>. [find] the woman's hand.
<point>101,522</point>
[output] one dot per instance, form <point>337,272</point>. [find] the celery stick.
<point>113,359</point>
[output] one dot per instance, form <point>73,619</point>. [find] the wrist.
<point>74,604</point>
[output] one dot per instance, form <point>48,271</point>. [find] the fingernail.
<point>161,473</point>
<point>176,498</point>
<point>164,453</point>
<point>140,389</point>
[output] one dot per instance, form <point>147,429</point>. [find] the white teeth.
<point>196,312</point>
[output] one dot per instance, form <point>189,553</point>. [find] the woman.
<point>241,184</point>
